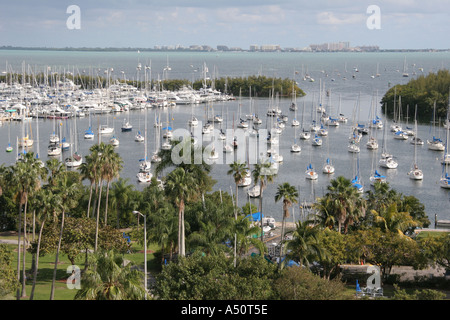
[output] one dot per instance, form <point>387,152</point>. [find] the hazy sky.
<point>411,24</point>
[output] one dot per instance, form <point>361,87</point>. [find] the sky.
<point>399,24</point>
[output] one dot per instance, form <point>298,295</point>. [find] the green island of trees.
<point>425,92</point>
<point>203,245</point>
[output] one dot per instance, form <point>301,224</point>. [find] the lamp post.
<point>145,251</point>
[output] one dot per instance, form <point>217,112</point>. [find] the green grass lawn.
<point>62,292</point>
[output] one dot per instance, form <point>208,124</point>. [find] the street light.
<point>145,251</point>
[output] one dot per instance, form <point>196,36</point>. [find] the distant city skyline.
<point>402,24</point>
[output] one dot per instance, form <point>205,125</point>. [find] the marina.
<point>33,112</point>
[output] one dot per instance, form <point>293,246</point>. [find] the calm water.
<point>330,69</point>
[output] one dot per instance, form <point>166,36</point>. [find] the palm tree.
<point>45,200</point>
<point>393,220</point>
<point>343,203</point>
<point>305,243</point>
<point>112,167</point>
<point>26,175</point>
<point>239,171</point>
<point>67,192</point>
<point>262,173</point>
<point>120,194</point>
<point>110,278</point>
<point>180,185</point>
<point>289,194</point>
<point>88,171</point>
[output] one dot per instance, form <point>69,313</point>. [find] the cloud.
<point>330,18</point>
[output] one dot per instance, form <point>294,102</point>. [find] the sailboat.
<point>310,173</point>
<point>387,160</point>
<point>356,182</point>
<point>155,157</point>
<point>376,176</point>
<point>295,148</point>
<point>144,175</point>
<point>9,148</point>
<point>75,160</point>
<point>328,167</point>
<point>444,182</point>
<point>435,144</point>
<point>126,126</point>
<point>405,70</point>
<point>114,140</point>
<point>89,134</point>
<point>304,135</point>
<point>415,173</point>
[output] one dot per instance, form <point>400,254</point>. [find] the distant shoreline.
<point>130,49</point>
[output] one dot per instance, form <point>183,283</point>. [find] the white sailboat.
<point>386,161</point>
<point>415,173</point>
<point>436,143</point>
<point>310,173</point>
<point>75,160</point>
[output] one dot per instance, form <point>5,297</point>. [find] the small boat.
<point>255,191</point>
<point>357,184</point>
<point>74,161</point>
<point>305,135</point>
<point>106,130</point>
<point>372,144</point>
<point>387,161</point>
<point>9,148</point>
<point>328,167</point>
<point>296,148</point>
<point>436,144</point>
<point>311,174</point>
<point>89,134</point>
<point>246,181</point>
<point>401,135</point>
<point>417,141</point>
<point>114,141</point>
<point>126,126</point>
<point>377,177</point>
<point>144,177</point>
<point>54,150</point>
<point>317,141</point>
<point>139,137</point>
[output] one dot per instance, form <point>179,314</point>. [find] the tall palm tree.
<point>110,278</point>
<point>238,170</point>
<point>289,195</point>
<point>343,201</point>
<point>67,191</point>
<point>305,243</point>
<point>45,200</point>
<point>120,194</point>
<point>88,171</point>
<point>113,165</point>
<point>26,175</point>
<point>262,173</point>
<point>180,186</point>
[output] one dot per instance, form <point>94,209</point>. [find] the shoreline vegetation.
<point>429,93</point>
<point>255,86</point>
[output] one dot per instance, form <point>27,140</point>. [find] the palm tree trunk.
<point>24,275</point>
<point>18,249</point>
<point>90,198</point>
<point>260,209</point>
<point>37,259</point>
<point>235,221</point>
<point>183,244</point>
<point>98,216</point>
<point>106,205</point>
<point>52,292</point>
